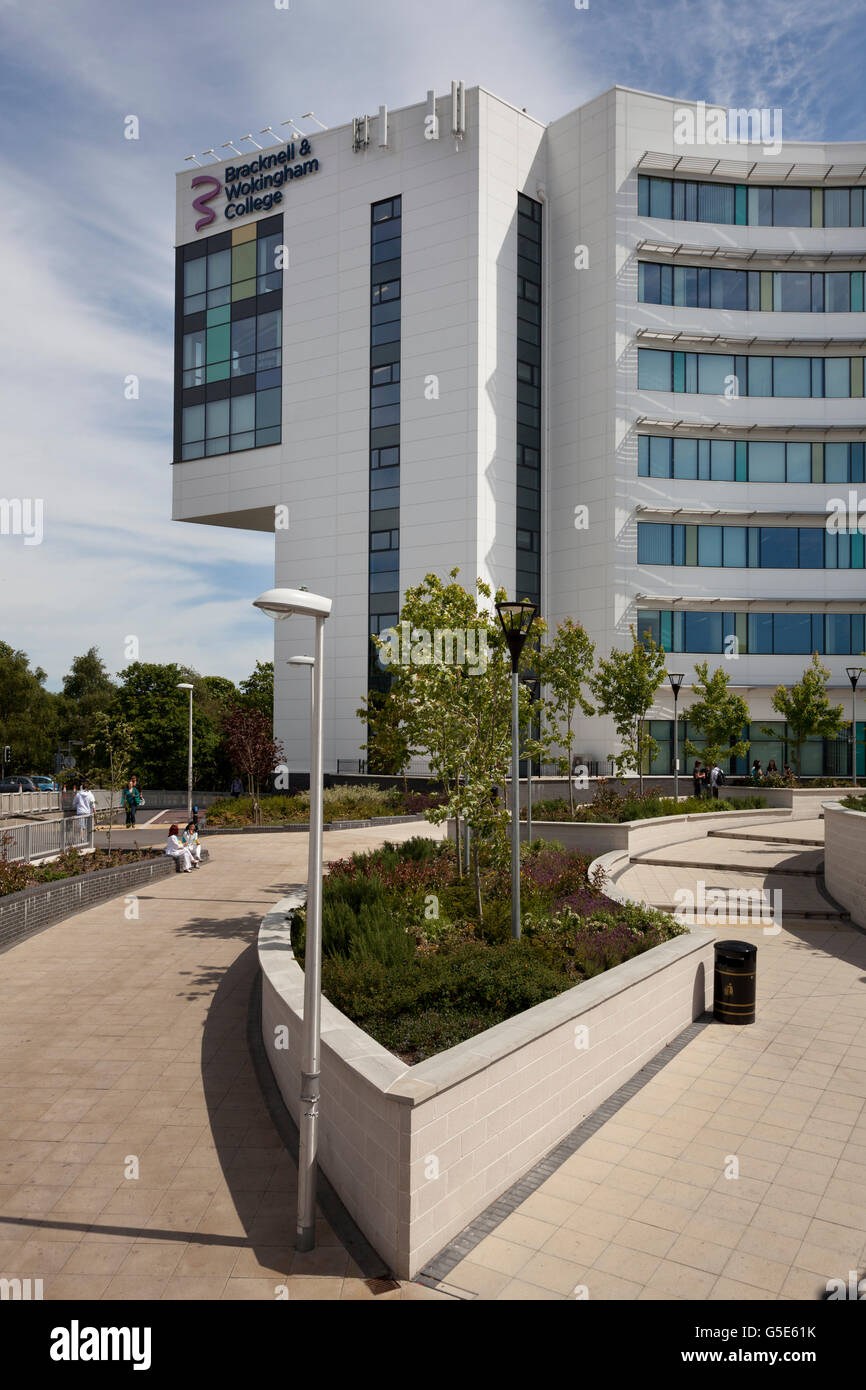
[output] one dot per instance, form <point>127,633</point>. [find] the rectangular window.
<point>837,292</point>
<point>703,632</point>
<point>792,633</point>
<point>778,547</point>
<point>792,207</point>
<point>653,370</point>
<point>713,369</point>
<point>685,458</point>
<point>766,462</point>
<point>653,543</point>
<point>837,376</point>
<point>791,376</point>
<point>710,545</point>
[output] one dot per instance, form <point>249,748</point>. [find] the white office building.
<point>613,363</point>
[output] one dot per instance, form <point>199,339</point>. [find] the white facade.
<point>459,320</point>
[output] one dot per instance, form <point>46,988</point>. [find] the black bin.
<point>735,982</point>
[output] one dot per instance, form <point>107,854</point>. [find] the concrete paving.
<point>739,1170</point>
<point>122,1049</point>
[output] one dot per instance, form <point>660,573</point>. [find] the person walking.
<point>131,801</point>
<point>178,850</point>
<point>237,787</point>
<point>84,802</point>
<point>699,777</point>
<point>716,779</point>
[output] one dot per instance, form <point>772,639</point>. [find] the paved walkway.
<point>739,1170</point>
<point>124,1040</point>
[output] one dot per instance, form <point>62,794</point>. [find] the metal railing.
<point>26,803</point>
<point>42,839</point>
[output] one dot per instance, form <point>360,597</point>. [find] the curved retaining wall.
<point>599,837</point>
<point>43,904</point>
<point>416,1152</point>
<point>845,859</point>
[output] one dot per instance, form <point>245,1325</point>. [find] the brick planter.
<point>43,904</point>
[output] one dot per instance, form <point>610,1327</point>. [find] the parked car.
<point>43,784</point>
<point>18,784</point>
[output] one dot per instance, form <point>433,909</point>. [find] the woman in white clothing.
<point>177,850</point>
<point>189,839</point>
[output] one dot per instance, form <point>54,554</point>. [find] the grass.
<point>339,803</point>
<point>611,807</point>
<point>407,958</point>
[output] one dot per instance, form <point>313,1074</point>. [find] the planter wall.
<point>43,904</point>
<point>804,803</point>
<point>596,838</point>
<point>416,1152</point>
<point>845,859</point>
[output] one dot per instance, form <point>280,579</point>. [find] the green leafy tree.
<point>387,747</point>
<point>257,691</point>
<point>158,714</point>
<point>564,668</point>
<point>807,710</point>
<point>718,715</point>
<point>88,690</point>
<point>28,713</point>
<point>457,712</point>
<point>108,759</point>
<point>624,687</point>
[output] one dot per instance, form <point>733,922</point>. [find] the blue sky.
<point>87,227</point>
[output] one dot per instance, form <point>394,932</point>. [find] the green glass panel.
<point>856,376</point>
<point>243,261</point>
<point>766,290</point>
<point>742,631</point>
<point>244,289</point>
<point>218,344</point>
<point>857,291</point>
<point>679,371</point>
<point>817,207</point>
<point>217,316</point>
<point>691,545</point>
<point>817,463</point>
<point>218,371</point>
<point>857,547</point>
<point>740,461</point>
<point>667,631</point>
<point>679,627</point>
<point>740,205</point>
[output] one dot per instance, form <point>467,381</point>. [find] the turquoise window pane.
<point>857,291</point>
<point>653,370</point>
<point>741,207</point>
<point>679,372</point>
<point>218,316</point>
<point>857,552</point>
<point>218,343</point>
<point>741,448</point>
<point>667,631</point>
<point>837,376</point>
<point>218,372</point>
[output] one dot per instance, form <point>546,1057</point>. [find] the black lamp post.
<point>676,679</point>
<point>516,620</point>
<point>854,673</point>
<point>531,683</point>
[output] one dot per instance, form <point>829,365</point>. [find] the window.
<point>654,370</point>
<point>752,205</point>
<point>766,462</point>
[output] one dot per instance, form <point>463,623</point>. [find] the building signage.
<point>253,187</point>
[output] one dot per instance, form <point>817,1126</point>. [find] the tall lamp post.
<point>854,673</point>
<point>280,604</point>
<point>531,683</point>
<point>516,620</point>
<point>185,685</point>
<point>676,679</point>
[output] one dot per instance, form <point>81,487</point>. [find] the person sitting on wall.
<point>189,839</point>
<point>757,771</point>
<point>177,850</point>
<point>771,767</point>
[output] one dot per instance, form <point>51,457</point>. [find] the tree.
<point>625,686</point>
<point>252,748</point>
<point>718,715</point>
<point>450,673</point>
<point>387,746</point>
<point>88,690</point>
<point>158,714</point>
<point>28,713</point>
<point>110,759</point>
<point>564,667</point>
<point>807,710</point>
<point>257,691</point>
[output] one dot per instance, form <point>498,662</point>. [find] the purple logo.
<point>200,203</point>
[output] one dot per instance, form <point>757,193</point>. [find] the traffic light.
<point>7,754</point>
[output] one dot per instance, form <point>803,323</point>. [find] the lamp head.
<point>185,685</point>
<point>676,679</point>
<point>854,673</point>
<point>283,603</point>
<point>516,620</point>
<point>301,661</point>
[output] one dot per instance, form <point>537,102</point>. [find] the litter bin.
<point>735,982</point>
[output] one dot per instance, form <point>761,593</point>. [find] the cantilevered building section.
<point>617,373</point>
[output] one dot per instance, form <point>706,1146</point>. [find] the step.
<point>764,839</point>
<point>754,870</point>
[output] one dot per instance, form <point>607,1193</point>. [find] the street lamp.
<point>531,683</point>
<point>185,685</point>
<point>676,679</point>
<point>280,604</point>
<point>854,673</point>
<point>516,620</point>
